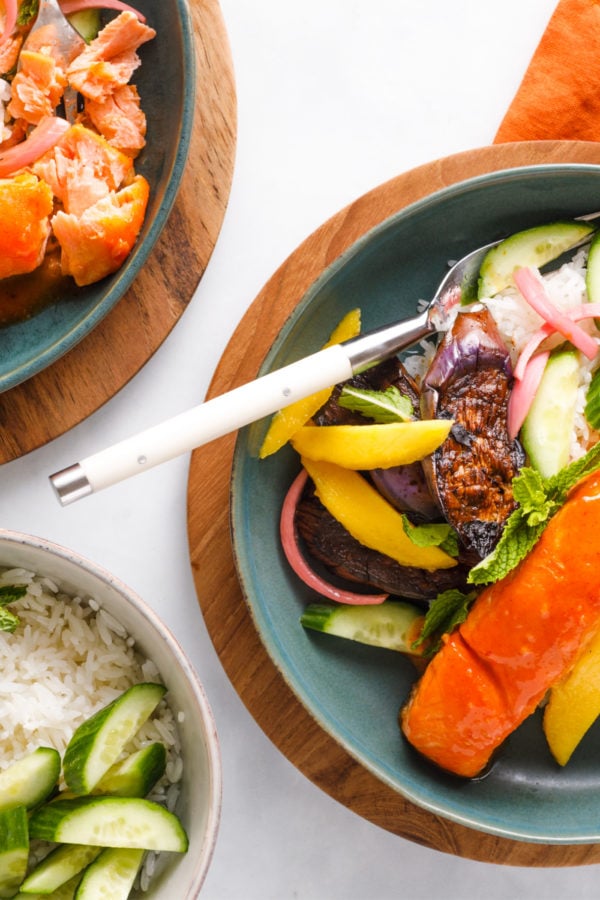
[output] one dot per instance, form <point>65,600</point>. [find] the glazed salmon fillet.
<point>522,635</point>
<point>25,207</point>
<point>96,243</point>
<point>110,60</point>
<point>82,168</point>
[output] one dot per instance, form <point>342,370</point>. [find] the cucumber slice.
<point>64,892</point>
<point>394,624</point>
<point>111,876</point>
<point>109,822</point>
<point>59,867</point>
<point>87,23</point>
<point>14,849</point>
<point>98,742</point>
<point>592,275</point>
<point>592,401</point>
<point>546,431</point>
<point>31,779</point>
<point>136,775</point>
<point>532,247</point>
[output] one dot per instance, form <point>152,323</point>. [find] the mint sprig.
<point>445,613</point>
<point>538,500</point>
<point>383,407</point>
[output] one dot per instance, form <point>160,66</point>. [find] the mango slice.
<point>368,517</point>
<point>372,446</point>
<point>287,421</point>
<point>574,704</point>
<point>25,207</point>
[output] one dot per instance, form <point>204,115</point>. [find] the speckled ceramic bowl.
<point>199,805</point>
<point>166,82</point>
<point>353,691</point>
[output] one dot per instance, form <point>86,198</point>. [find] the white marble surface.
<point>335,97</point>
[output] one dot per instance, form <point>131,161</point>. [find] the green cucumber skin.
<point>136,775</point>
<point>30,780</point>
<point>14,849</point>
<point>535,246</point>
<point>87,22</point>
<point>80,768</point>
<point>104,822</point>
<point>112,875</point>
<point>393,625</point>
<point>59,867</point>
<point>592,275</point>
<point>592,402</point>
<point>546,431</point>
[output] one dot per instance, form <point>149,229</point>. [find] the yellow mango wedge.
<point>368,517</point>
<point>371,446</point>
<point>574,704</point>
<point>287,421</point>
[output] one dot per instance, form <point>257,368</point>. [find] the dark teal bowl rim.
<point>525,804</point>
<point>49,344</point>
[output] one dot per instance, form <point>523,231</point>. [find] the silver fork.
<point>64,39</point>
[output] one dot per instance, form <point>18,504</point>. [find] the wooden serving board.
<point>261,687</point>
<point>75,386</point>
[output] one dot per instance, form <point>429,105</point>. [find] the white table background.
<point>335,97</point>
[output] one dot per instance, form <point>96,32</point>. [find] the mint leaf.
<point>439,535</point>
<point>539,499</point>
<point>446,612</point>
<point>27,11</point>
<point>381,406</point>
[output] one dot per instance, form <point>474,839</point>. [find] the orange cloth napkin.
<point>559,96</point>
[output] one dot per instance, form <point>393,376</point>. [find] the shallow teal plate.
<point>355,692</point>
<point>166,82</point>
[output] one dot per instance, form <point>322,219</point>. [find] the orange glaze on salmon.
<point>522,635</point>
<point>97,242</point>
<point>25,207</point>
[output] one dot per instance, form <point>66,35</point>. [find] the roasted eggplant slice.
<point>328,541</point>
<point>470,475</point>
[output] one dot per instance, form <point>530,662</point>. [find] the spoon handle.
<point>233,410</point>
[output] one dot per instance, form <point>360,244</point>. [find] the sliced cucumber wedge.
<point>31,779</point>
<point>136,775</point>
<point>109,822</point>
<point>546,431</point>
<point>111,875</point>
<point>14,849</point>
<point>66,891</point>
<point>99,741</point>
<point>394,624</point>
<point>59,867</point>
<point>87,22</point>
<point>592,401</point>
<point>532,247</point>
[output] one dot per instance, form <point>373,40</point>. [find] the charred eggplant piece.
<point>471,474</point>
<point>328,541</point>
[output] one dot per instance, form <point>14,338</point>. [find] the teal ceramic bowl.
<point>355,692</point>
<point>166,82</point>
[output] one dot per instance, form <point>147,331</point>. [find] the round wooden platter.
<point>260,685</point>
<point>75,386</point>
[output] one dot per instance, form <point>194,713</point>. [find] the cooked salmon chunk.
<point>36,88</point>
<point>110,60</point>
<point>25,207</point>
<point>120,119</point>
<point>96,243</point>
<point>83,168</point>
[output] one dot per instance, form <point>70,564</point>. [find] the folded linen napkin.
<point>559,96</point>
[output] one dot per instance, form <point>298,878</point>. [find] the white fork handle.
<point>203,423</point>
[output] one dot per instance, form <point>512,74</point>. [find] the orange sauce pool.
<point>23,296</point>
